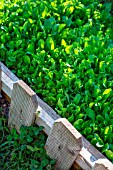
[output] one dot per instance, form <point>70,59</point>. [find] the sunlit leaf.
<point>60,27</point>
<point>63,42</point>
<point>109,154</point>
<point>68,49</point>
<point>107,91</point>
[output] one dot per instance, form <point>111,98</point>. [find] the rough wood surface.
<point>84,159</point>
<point>7,84</point>
<point>47,109</point>
<point>23,105</point>
<point>44,119</point>
<point>45,116</point>
<point>88,155</point>
<point>8,78</point>
<point>8,73</point>
<point>103,164</point>
<point>63,144</point>
<point>91,149</point>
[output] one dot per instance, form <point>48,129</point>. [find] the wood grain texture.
<point>7,84</point>
<point>103,164</point>
<point>44,119</point>
<point>45,116</point>
<point>88,155</point>
<point>63,144</point>
<point>8,73</point>
<point>91,149</point>
<point>23,106</point>
<point>47,109</point>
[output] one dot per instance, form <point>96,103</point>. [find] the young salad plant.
<point>25,150</point>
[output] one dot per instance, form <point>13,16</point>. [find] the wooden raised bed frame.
<point>80,153</point>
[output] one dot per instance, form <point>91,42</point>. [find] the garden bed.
<point>22,151</point>
<point>63,50</point>
<point>46,117</point>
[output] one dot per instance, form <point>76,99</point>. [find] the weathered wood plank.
<point>103,164</point>
<point>63,144</point>
<point>8,78</point>
<point>45,116</point>
<point>88,155</point>
<point>91,149</point>
<point>8,73</point>
<point>23,105</point>
<point>7,84</point>
<point>85,159</point>
<point>44,119</point>
<point>47,109</point>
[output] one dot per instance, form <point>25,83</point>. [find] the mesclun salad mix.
<point>64,50</point>
<point>25,150</point>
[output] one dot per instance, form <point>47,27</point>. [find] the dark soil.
<point>4,106</point>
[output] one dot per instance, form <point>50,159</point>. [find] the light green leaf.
<point>60,27</point>
<point>63,42</point>
<point>31,21</point>
<point>30,148</point>
<point>30,47</point>
<point>41,43</point>
<point>60,105</point>
<point>68,49</point>
<point>105,148</point>
<point>87,130</point>
<point>106,130</point>
<point>77,124</point>
<point>71,118</point>
<point>18,42</point>
<point>50,43</point>
<point>109,154</point>
<point>107,91</point>
<point>111,114</point>
<point>27,59</point>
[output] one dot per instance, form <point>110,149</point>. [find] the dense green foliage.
<point>23,151</point>
<point>64,50</point>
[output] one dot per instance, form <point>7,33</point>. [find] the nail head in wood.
<point>63,144</point>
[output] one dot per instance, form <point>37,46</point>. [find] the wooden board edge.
<point>8,72</point>
<point>48,123</point>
